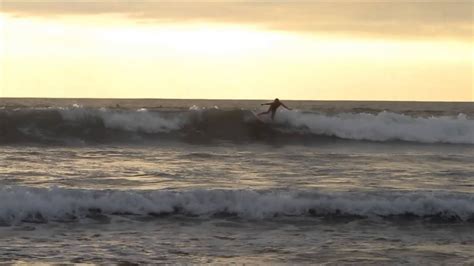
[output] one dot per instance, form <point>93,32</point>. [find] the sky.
<point>307,50</point>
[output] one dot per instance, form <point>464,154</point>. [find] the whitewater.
<point>203,181</point>
<point>21,204</point>
<point>38,124</point>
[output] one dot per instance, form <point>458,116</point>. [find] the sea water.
<point>203,181</point>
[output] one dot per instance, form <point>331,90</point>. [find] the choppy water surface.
<point>170,182</point>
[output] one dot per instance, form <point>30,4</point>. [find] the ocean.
<point>203,181</point>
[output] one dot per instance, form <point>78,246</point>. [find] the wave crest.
<point>105,125</point>
<point>133,121</point>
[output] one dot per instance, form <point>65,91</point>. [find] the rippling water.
<point>380,183</point>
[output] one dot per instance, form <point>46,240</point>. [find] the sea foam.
<point>18,204</point>
<point>140,120</point>
<point>384,126</point>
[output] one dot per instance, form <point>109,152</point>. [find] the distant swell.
<point>42,205</point>
<point>86,125</point>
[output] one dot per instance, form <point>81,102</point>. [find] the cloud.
<point>395,19</point>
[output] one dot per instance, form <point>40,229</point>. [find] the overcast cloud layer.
<point>401,19</point>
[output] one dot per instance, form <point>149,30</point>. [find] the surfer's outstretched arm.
<point>266,103</point>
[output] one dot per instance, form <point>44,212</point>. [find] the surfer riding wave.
<point>273,107</point>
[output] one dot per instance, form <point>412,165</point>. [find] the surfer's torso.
<point>275,105</point>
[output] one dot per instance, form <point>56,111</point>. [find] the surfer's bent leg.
<point>266,112</point>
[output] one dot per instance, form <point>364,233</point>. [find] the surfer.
<point>273,107</point>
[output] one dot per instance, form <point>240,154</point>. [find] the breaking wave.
<point>386,126</point>
<point>42,205</point>
<point>87,125</point>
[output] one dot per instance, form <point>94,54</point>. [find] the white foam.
<point>139,121</point>
<point>384,126</point>
<point>198,108</point>
<point>18,203</point>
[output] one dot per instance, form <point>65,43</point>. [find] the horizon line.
<point>220,99</point>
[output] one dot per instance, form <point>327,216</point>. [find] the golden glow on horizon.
<point>67,58</point>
